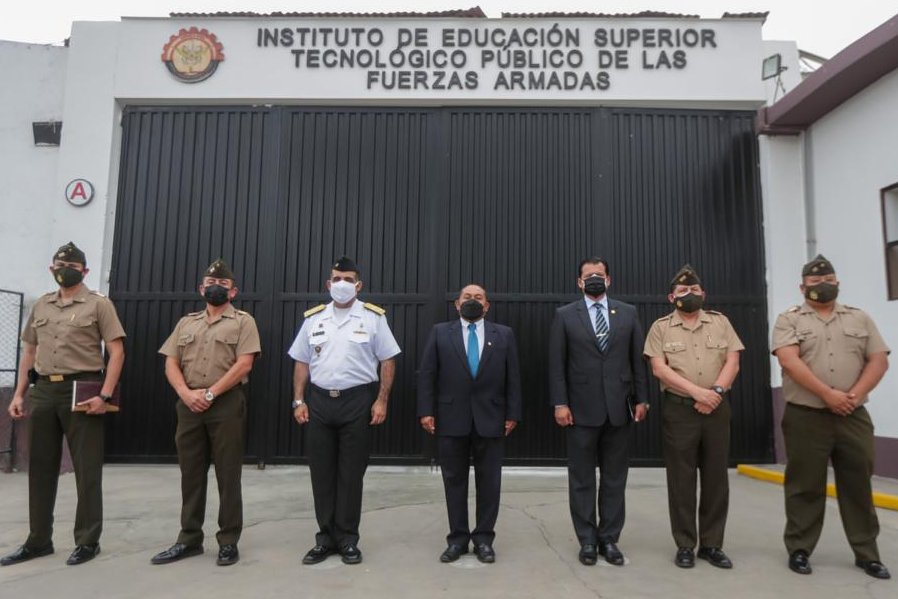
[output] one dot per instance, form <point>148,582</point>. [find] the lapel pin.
<point>613,311</point>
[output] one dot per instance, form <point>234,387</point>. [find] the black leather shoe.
<point>23,554</point>
<point>176,552</point>
<point>873,568</point>
<point>228,555</point>
<point>452,553</point>
<point>798,562</point>
<point>317,554</point>
<point>685,558</point>
<point>485,553</point>
<point>83,553</point>
<point>351,554</point>
<point>611,553</point>
<point>715,556</point>
<point>588,555</point>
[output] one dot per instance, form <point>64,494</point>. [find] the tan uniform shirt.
<point>207,350</point>
<point>68,333</point>
<point>696,354</point>
<point>836,350</point>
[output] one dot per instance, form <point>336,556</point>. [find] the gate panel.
<point>427,201</point>
<point>356,183</point>
<point>193,187</point>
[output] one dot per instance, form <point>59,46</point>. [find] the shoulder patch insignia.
<point>375,308</point>
<point>314,310</point>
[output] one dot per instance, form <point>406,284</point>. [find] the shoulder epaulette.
<point>92,292</point>
<point>665,317</point>
<point>197,313</point>
<point>375,308</point>
<point>794,309</point>
<point>241,312</point>
<point>715,312</point>
<point>847,307</point>
<point>314,310</point>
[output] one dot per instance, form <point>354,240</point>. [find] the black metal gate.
<point>428,200</point>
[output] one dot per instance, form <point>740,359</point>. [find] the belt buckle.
<point>334,393</point>
<point>56,378</point>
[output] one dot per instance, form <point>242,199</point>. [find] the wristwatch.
<point>106,398</point>
<point>210,397</point>
<point>297,402</point>
<point>718,390</point>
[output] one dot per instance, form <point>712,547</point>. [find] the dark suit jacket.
<point>459,401</point>
<point>595,385</point>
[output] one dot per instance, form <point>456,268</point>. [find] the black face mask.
<point>822,292</point>
<point>689,303</point>
<point>66,276</point>
<point>471,310</point>
<point>594,286</point>
<point>216,295</point>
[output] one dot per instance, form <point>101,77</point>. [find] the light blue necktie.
<point>473,349</point>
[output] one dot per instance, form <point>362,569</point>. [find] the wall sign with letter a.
<point>79,192</point>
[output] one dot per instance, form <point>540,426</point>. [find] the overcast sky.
<point>818,26</point>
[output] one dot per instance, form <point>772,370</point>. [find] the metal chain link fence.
<point>11,310</point>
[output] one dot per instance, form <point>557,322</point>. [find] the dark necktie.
<point>601,328</point>
<point>473,349</point>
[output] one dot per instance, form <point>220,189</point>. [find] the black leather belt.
<point>75,376</point>
<point>685,401</point>
<point>341,392</point>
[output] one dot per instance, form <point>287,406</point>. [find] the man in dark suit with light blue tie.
<point>597,383</point>
<point>469,395</point>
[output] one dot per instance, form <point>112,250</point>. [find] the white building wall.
<point>783,198</point>
<point>90,145</point>
<point>785,248</point>
<point>854,157</point>
<point>32,88</point>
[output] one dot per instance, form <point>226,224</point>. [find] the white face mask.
<point>342,292</point>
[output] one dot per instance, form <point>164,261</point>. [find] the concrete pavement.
<point>403,533</point>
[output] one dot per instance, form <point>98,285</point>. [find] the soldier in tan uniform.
<point>832,356</point>
<point>207,360</point>
<point>695,355</point>
<point>64,340</point>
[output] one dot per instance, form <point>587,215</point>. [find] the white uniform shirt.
<point>344,355</point>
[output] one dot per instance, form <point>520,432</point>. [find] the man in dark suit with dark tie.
<point>469,395</point>
<point>598,384</point>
